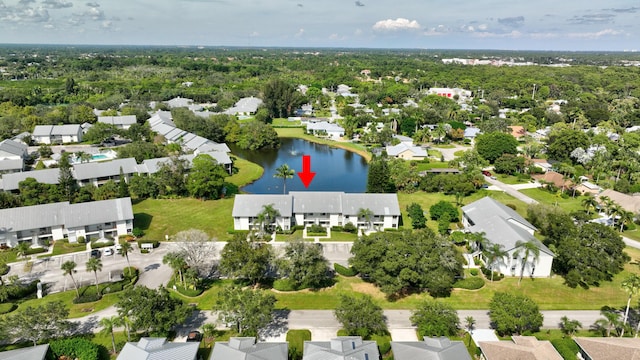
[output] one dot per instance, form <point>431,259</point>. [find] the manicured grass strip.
<point>75,310</point>
<point>61,247</point>
<point>569,204</point>
<point>160,217</point>
<point>248,172</point>
<point>296,339</point>
<point>299,133</point>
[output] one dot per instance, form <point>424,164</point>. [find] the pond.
<point>336,169</point>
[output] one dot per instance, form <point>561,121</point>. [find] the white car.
<point>107,252</point>
<point>118,247</point>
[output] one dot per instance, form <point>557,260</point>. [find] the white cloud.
<point>485,34</point>
<point>300,33</point>
<point>254,34</point>
<point>482,27</point>
<point>57,4</point>
<point>595,35</point>
<point>358,32</point>
<point>399,24</point>
<point>106,24</point>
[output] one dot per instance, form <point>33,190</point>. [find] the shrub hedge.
<point>566,347</point>
<point>496,275</point>
<point>345,271</point>
<point>284,285</point>
<point>77,348</point>
<point>473,272</point>
<point>98,245</point>
<point>470,283</point>
<point>7,307</point>
<point>87,298</point>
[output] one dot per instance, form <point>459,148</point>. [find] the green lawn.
<point>160,217</point>
<point>299,133</point>
<point>422,166</point>
<point>61,247</point>
<point>296,339</point>
<point>511,179</point>
<point>248,172</point>
<point>569,204</point>
<point>75,310</point>
<point>281,122</point>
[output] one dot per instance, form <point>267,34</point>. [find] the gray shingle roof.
<point>317,202</point>
<point>105,168</point>
<point>10,182</point>
<point>158,349</point>
<point>48,130</point>
<point>247,349</point>
<point>430,349</point>
<point>341,348</point>
<point>246,205</point>
<point>118,120</point>
<point>63,213</point>
<point>379,204</point>
<point>42,130</point>
<point>402,147</point>
<point>11,164</point>
<point>152,166</point>
<point>30,353</point>
<point>13,147</point>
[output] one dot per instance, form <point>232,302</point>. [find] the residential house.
<point>326,129</point>
<point>121,122</point>
<point>341,348</point>
<point>554,178</point>
<point>345,91</point>
<point>471,133</point>
<point>245,107</point>
<point>11,182</point>
<point>628,202</point>
<point>594,348</point>
<point>430,349</point>
<point>57,134</point>
<point>521,347</point>
<point>587,187</point>
<point>149,348</point>
<point>504,226</point>
<point>179,102</point>
<point>407,152</point>
<point>542,164</point>
<point>98,173</point>
<point>38,352</point>
<point>454,94</point>
<point>12,156</point>
<point>317,207</point>
<point>151,166</point>
<point>162,124</point>
<point>246,348</point>
<point>517,132</point>
<point>96,219</point>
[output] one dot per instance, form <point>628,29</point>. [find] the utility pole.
<point>533,96</point>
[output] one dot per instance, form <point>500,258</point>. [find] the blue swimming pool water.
<point>99,157</point>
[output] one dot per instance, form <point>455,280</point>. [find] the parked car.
<point>107,252</point>
<point>118,247</point>
<point>486,173</point>
<point>194,336</point>
<point>484,186</point>
<point>95,253</point>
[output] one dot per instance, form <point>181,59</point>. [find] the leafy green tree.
<point>359,315</point>
<point>281,98</point>
<point>143,187</point>
<point>443,224</point>
<point>45,151</point>
<point>254,135</point>
<point>141,150</point>
<point>152,311</point>
<point>495,144</point>
<point>206,178</point>
<point>68,267</point>
<point>435,318</point>
<point>109,190</point>
<point>400,262</point>
<point>304,265</point>
<point>284,172</point>
<point>443,207</point>
<point>245,259</point>
<point>561,146</point>
<point>171,176</point>
<point>245,310</point>
<point>514,314</point>
<point>594,254</point>
<point>39,323</point>
<point>267,217</point>
<point>95,265</point>
<point>415,212</point>
<point>509,164</point>
<point>123,186</point>
<point>66,182</point>
<point>379,177</point>
<point>100,132</point>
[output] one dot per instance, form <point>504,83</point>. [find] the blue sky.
<point>455,24</point>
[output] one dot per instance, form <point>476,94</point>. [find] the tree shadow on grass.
<point>142,220</point>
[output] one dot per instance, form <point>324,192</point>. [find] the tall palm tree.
<point>125,249</point>
<point>267,216</point>
<point>606,203</point>
<point>469,324</point>
<point>108,323</point>
<point>589,202</point>
<point>632,286</point>
<point>624,217</point>
<point>176,262</point>
<point>493,253</point>
<point>367,215</point>
<point>95,265</point>
<point>284,172</point>
<point>614,212</point>
<point>527,249</point>
<point>68,267</point>
<point>610,321</point>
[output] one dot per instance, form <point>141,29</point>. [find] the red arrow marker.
<point>306,175</point>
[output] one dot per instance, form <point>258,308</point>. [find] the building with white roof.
<point>57,134</point>
<point>407,152</point>
<point>246,348</point>
<point>159,349</point>
<point>121,122</point>
<point>326,129</point>
<point>318,207</point>
<point>245,107</point>
<point>341,348</point>
<point>12,156</point>
<point>96,219</point>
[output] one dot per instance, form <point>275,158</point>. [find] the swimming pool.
<point>99,157</point>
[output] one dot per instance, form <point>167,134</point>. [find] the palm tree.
<point>469,324</point>
<point>569,327</point>
<point>22,249</point>
<point>68,267</point>
<point>624,217</point>
<point>176,262</point>
<point>268,215</point>
<point>126,322</point>
<point>95,265</point>
<point>527,249</point>
<point>108,323</point>
<point>125,249</point>
<point>632,286</point>
<point>494,253</point>
<point>606,204</point>
<point>610,321</point>
<point>83,156</point>
<point>367,215</point>
<point>589,202</point>
<point>284,172</point>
